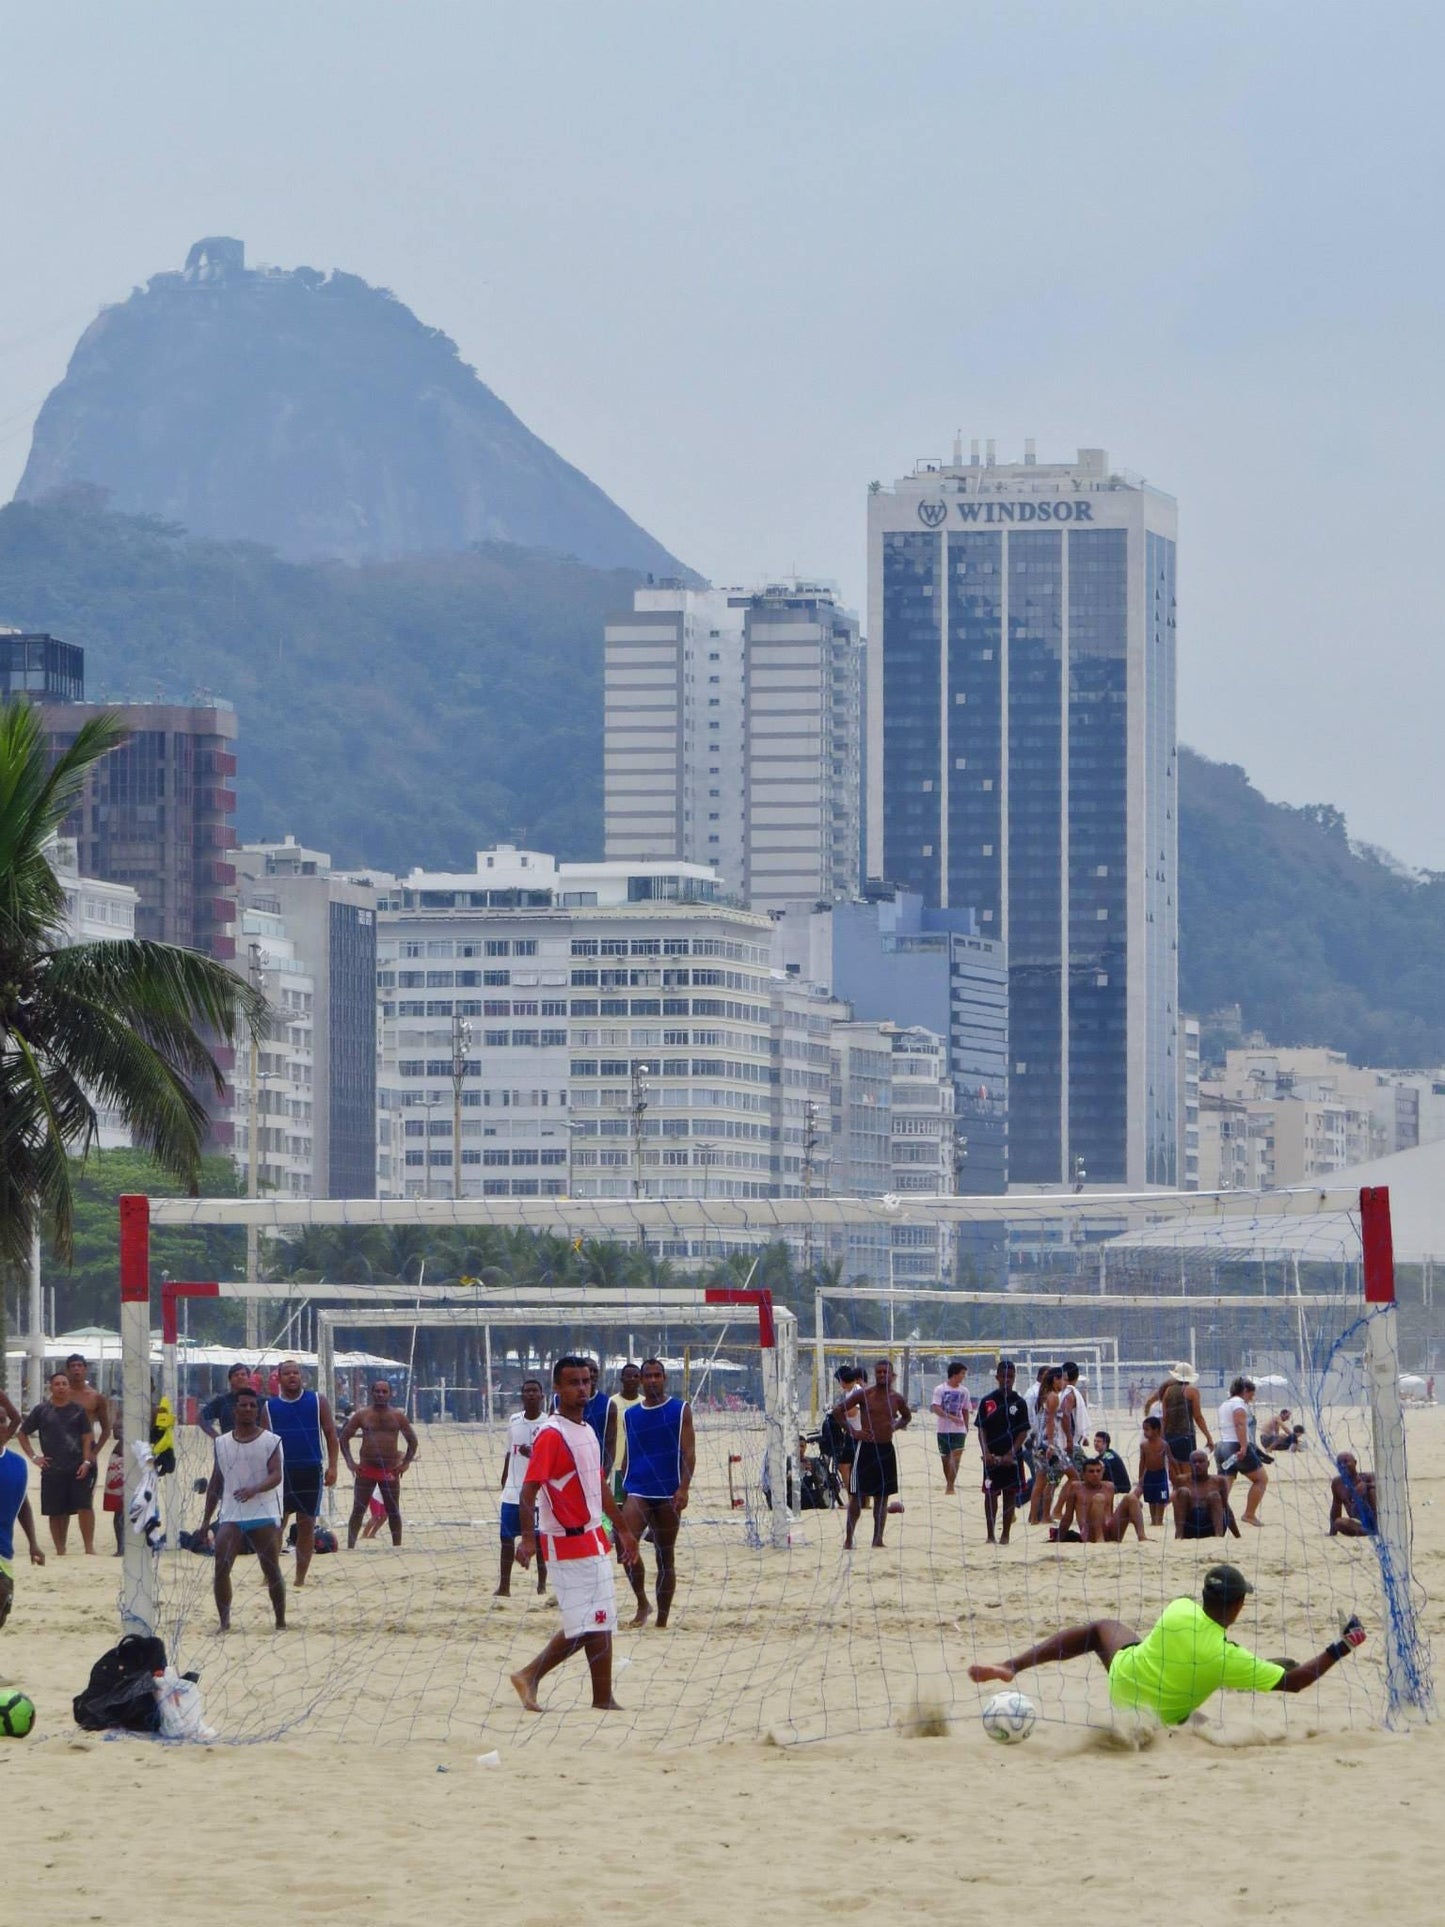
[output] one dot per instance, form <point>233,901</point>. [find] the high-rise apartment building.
<point>158,812</point>
<point>279,1105</point>
<point>95,912</point>
<point>733,722</point>
<point>331,920</point>
<point>618,1033</point>
<point>892,959</point>
<point>1022,764</point>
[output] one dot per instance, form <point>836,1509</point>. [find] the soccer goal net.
<point>776,1627</point>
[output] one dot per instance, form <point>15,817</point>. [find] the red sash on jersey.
<point>584,1542</point>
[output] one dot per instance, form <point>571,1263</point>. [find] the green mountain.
<point>412,712</point>
<point>316,414</point>
<point>400,713</point>
<point>1316,939</point>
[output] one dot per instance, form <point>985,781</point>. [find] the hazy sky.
<point>735,261</point>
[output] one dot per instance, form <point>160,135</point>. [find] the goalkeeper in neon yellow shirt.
<point>1185,1659</point>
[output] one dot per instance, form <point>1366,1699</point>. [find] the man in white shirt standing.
<point>522,1430</point>
<point>1074,1411</point>
<point>952,1409</point>
<point>246,1484</point>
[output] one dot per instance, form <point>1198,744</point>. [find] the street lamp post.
<point>641,1092</point>
<point>256,974</point>
<point>461,1044</point>
<point>810,1152</point>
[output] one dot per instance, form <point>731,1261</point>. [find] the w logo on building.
<point>932,514</point>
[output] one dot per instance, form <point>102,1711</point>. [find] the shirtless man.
<point>1154,1470</point>
<point>1100,1520</point>
<point>96,1408</point>
<point>1279,1435</point>
<point>9,1420</point>
<point>1201,1502</point>
<point>1353,1513</point>
<point>1182,1413</point>
<point>380,1426</point>
<point>875,1465</point>
<point>661,1458</point>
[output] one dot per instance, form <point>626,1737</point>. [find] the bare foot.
<point>640,1618</point>
<point>601,1706</point>
<point>502,1592</point>
<point>979,1674</point>
<point>1253,1522</point>
<point>526,1691</point>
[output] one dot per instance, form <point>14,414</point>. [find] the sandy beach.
<point>769,1761</point>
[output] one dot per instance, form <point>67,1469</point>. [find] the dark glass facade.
<point>1008,782</point>
<point>912,665</point>
<point>351,1045</point>
<point>42,668</point>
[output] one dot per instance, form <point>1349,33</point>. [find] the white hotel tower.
<point>733,737</point>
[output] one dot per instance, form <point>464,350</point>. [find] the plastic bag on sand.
<point>182,1715</point>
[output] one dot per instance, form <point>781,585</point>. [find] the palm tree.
<point>118,1024</point>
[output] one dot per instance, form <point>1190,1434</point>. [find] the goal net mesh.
<point>804,1640</point>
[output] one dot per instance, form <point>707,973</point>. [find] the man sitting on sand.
<point>1184,1659</point>
<point>1103,1516</point>
<point>875,1468</point>
<point>1201,1502</point>
<point>382,1466</point>
<point>1352,1500</point>
<point>246,1485</point>
<point>1280,1435</point>
<point>564,1480</point>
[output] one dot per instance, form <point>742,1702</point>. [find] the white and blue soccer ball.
<point>1009,1717</point>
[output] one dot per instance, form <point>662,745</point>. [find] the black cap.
<point>1223,1585</point>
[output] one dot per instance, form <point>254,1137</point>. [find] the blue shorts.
<point>511,1522</point>
<point>1156,1488</point>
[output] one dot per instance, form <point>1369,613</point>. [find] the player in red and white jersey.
<point>563,1503</point>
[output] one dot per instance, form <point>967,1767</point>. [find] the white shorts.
<point>584,1589</point>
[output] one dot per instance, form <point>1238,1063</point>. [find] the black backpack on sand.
<point>121,1692</point>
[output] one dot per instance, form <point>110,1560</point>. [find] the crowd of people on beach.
<point>591,1475</point>
<point>1041,1452</point>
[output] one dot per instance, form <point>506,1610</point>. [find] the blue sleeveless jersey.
<point>14,1477</point>
<point>654,1449</point>
<point>297,1423</point>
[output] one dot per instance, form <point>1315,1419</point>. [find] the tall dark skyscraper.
<point>1022,763</point>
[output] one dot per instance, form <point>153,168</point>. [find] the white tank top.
<point>248,1464</point>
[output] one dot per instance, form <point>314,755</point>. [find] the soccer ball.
<point>1009,1718</point>
<point>17,1715</point>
